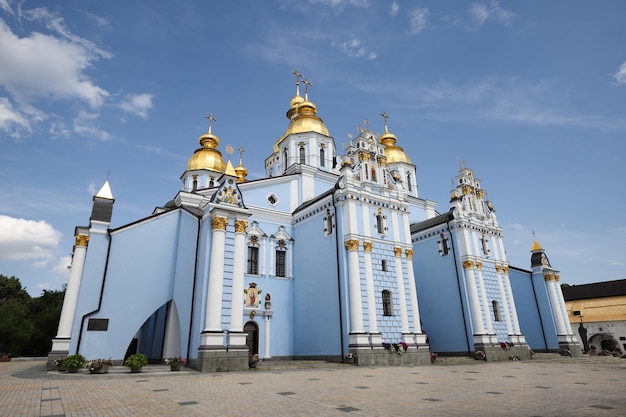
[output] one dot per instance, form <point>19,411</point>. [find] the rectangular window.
<point>387,303</point>
<point>280,263</point>
<point>253,260</point>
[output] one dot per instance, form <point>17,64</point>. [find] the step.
<point>269,365</point>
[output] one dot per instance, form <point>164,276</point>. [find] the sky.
<point>530,95</point>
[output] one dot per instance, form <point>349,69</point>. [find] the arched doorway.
<point>252,338</point>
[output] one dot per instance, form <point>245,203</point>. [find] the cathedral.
<point>331,256</point>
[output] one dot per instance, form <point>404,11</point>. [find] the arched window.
<point>281,263</point>
<point>302,155</point>
<point>322,157</point>
<point>285,163</point>
<point>253,260</point>
<point>408,181</point>
<point>373,173</point>
<point>496,310</point>
<point>383,264</point>
<point>380,222</point>
<point>387,303</point>
<point>328,230</point>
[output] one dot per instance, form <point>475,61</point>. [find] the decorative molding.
<point>352,244</point>
<point>397,251</point>
<point>219,223</point>
<point>367,246</point>
<point>505,269</point>
<point>82,240</point>
<point>409,253</point>
<point>548,277</point>
<point>498,268</point>
<point>557,277</point>
<point>240,226</point>
<point>468,264</point>
<point>479,265</point>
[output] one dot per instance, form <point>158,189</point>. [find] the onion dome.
<point>240,170</point>
<point>303,117</point>
<point>392,152</point>
<point>207,157</point>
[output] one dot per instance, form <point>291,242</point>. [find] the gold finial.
<point>296,72</point>
<point>241,151</point>
<point>385,117</point>
<point>211,120</point>
<point>307,84</point>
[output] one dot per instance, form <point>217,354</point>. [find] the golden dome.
<point>241,171</point>
<point>207,157</point>
<point>392,152</point>
<point>536,246</point>
<point>305,120</point>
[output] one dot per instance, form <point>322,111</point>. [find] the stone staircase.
<point>273,365</point>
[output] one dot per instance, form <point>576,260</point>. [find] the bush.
<point>137,360</point>
<point>74,361</point>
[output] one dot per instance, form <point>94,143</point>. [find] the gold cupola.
<point>240,170</point>
<point>207,157</point>
<point>302,115</point>
<point>392,152</point>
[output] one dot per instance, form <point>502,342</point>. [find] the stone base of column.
<point>376,339</point>
<point>379,356</point>
<point>212,339</point>
<point>498,352</point>
<point>221,360</point>
<point>237,340</point>
<point>55,356</point>
<point>359,340</point>
<point>569,346</point>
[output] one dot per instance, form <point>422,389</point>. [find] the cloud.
<point>395,8</point>
<point>418,19</point>
<point>137,104</point>
<point>12,121</point>
<point>86,124</point>
<point>44,66</point>
<point>620,75</point>
<point>23,239</point>
<point>354,48</point>
<point>479,13</point>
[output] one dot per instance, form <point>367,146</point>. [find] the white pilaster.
<point>477,319</point>
<point>64,332</point>
<point>404,317</point>
<point>505,301</point>
<point>417,327</point>
<point>357,334</point>
<point>483,295</point>
<point>213,334</point>
<point>237,336</point>
<point>371,293</point>
<point>554,303</point>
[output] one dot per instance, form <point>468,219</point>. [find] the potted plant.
<point>73,362</point>
<point>135,362</point>
<point>99,366</point>
<point>253,361</point>
<point>174,363</point>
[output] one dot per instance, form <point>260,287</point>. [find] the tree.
<point>27,325</point>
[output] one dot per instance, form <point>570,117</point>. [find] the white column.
<point>213,333</point>
<point>171,340</point>
<point>483,294</point>
<point>267,354</point>
<point>357,333</point>
<point>371,293</point>
<point>554,301</point>
<point>507,282</point>
<point>477,318</point>
<point>404,317</point>
<point>371,296</point>
<point>64,332</point>
<point>236,334</point>
<point>413,290</point>
<point>505,301</point>
<point>559,293</point>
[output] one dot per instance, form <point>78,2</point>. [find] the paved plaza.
<point>568,387</point>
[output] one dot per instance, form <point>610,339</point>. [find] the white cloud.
<point>479,13</point>
<point>137,104</point>
<point>418,19</point>
<point>620,75</point>
<point>354,48</point>
<point>85,124</point>
<point>395,8</point>
<point>12,121</point>
<point>23,239</point>
<point>4,5</point>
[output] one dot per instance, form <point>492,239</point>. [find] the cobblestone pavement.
<point>574,387</point>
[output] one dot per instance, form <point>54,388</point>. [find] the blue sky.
<point>531,95</point>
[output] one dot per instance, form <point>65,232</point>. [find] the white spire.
<point>105,191</point>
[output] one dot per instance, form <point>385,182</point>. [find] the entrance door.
<point>252,339</point>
